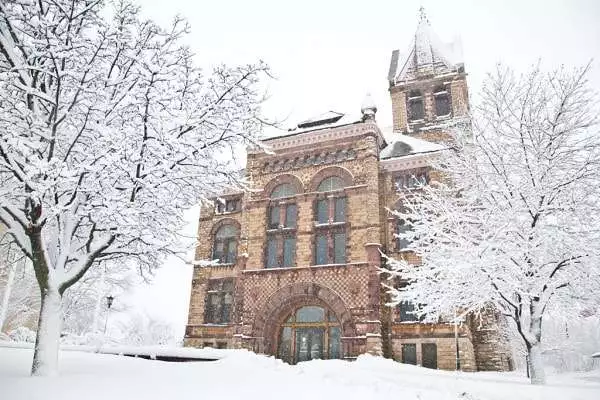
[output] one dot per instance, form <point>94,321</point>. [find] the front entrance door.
<point>309,344</point>
<point>310,333</point>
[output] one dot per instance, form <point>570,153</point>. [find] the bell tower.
<point>428,86</point>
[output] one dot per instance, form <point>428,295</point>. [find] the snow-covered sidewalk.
<point>243,375</point>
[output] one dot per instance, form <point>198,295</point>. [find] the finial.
<point>368,108</point>
<point>423,15</point>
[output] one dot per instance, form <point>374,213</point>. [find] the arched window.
<point>330,184</point>
<point>442,102</point>
<point>225,244</point>
<point>282,215</point>
<point>416,107</point>
<point>309,333</point>
<point>283,190</point>
<point>330,222</point>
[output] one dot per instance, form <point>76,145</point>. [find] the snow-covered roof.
<point>329,119</point>
<point>426,54</point>
<point>400,145</point>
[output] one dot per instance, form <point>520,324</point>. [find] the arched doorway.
<point>309,333</point>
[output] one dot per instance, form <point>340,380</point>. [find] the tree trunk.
<point>45,356</point>
<point>536,364</point>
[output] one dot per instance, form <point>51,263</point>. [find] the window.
<point>330,184</point>
<point>407,312</point>
<point>219,301</point>
<point>401,243</point>
<point>442,102</point>
<point>416,109</point>
<point>330,219</point>
<point>412,179</point>
<point>280,250</point>
<point>409,353</point>
<point>225,244</point>
<point>283,190</point>
<point>227,205</point>
<point>429,355</point>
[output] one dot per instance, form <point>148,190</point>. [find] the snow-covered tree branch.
<point>516,222</point>
<point>108,132</point>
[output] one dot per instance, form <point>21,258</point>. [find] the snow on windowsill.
<point>324,224</point>
<point>309,266</point>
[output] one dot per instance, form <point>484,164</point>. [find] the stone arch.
<point>326,172</point>
<point>283,178</point>
<point>284,301</point>
<point>222,222</point>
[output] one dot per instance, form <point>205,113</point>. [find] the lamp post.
<point>109,301</point>
<point>456,342</point>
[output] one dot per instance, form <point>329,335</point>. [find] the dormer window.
<point>442,102</point>
<point>416,107</point>
<point>413,179</point>
<point>227,205</point>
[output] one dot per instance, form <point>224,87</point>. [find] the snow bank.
<point>148,351</point>
<point>242,374</point>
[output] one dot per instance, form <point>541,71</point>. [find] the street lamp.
<point>109,301</point>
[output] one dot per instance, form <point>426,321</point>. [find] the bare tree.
<point>108,132</point>
<point>516,222</point>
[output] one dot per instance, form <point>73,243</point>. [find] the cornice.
<point>407,162</point>
<point>313,137</point>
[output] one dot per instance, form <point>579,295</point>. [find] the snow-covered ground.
<point>243,375</point>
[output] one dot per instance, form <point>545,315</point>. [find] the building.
<point>299,260</point>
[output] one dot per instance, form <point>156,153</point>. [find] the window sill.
<point>227,212</point>
<point>327,224</point>
<point>222,265</point>
<point>443,117</point>
<point>282,229</point>
<point>316,266</point>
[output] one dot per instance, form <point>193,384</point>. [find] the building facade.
<point>299,260</point>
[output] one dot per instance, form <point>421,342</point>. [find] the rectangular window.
<point>271,256</point>
<point>442,104</point>
<point>406,312</point>
<point>291,213</point>
<point>340,210</point>
<point>321,250</point>
<point>219,301</point>
<point>218,252</point>
<point>416,180</point>
<point>220,207</point>
<point>339,248</point>
<point>322,211</point>
<point>289,251</point>
<point>429,355</point>
<point>409,353</point>
<point>402,228</point>
<point>416,111</point>
<point>231,205</point>
<point>231,251</point>
<point>274,217</point>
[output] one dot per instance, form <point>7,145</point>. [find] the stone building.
<point>298,274</point>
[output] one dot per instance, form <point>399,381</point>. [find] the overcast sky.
<point>327,54</point>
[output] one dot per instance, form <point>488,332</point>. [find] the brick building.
<point>299,260</point>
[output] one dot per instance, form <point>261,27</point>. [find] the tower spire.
<point>423,15</point>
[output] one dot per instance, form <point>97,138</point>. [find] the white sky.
<point>327,54</point>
